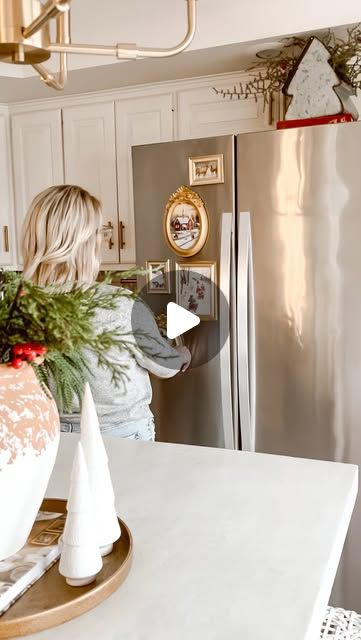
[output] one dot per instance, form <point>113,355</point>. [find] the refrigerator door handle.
<point>246,333</point>
<point>225,279</point>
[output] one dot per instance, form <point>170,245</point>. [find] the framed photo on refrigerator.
<point>206,170</point>
<point>185,223</point>
<point>158,276</point>
<point>196,288</point>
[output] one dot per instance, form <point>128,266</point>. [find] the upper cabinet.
<point>87,140</point>
<point>202,113</point>
<point>7,227</point>
<point>90,162</point>
<point>37,158</point>
<point>142,120</point>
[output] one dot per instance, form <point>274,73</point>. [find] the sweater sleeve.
<point>151,350</point>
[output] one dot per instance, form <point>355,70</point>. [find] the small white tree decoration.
<point>312,84</point>
<point>101,488</point>
<point>80,557</point>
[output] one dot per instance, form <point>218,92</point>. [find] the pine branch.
<point>345,59</point>
<point>63,318</point>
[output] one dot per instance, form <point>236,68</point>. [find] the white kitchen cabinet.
<point>90,162</point>
<point>201,113</point>
<point>7,226</point>
<point>37,158</point>
<point>87,140</point>
<point>142,120</point>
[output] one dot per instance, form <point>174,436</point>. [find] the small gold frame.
<point>193,227</point>
<point>196,267</point>
<point>150,264</point>
<point>206,170</point>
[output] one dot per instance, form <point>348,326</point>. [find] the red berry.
<point>27,349</point>
<point>42,350</point>
<point>16,363</point>
<point>39,348</point>
<point>17,349</point>
<point>31,356</point>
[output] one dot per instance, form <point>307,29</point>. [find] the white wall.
<point>220,22</point>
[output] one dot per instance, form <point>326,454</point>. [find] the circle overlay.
<point>192,290</point>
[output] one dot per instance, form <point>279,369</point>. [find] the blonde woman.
<point>61,243</point>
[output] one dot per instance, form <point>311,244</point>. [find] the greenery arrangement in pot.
<point>274,69</point>
<point>43,332</point>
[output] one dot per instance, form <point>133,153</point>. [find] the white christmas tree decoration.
<point>101,488</point>
<point>312,84</point>
<point>80,557</point>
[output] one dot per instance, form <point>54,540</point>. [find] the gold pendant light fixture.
<point>25,38</point>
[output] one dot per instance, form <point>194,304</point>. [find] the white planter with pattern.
<point>29,439</point>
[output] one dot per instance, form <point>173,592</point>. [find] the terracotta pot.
<point>29,439</point>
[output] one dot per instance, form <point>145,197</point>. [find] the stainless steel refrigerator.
<point>285,230</point>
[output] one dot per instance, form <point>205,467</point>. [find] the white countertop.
<point>228,545</point>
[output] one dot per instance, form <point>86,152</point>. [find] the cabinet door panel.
<point>142,120</point>
<point>90,162</point>
<point>7,221</point>
<point>37,158</point>
<point>202,113</point>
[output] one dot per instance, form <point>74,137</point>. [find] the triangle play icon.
<point>179,320</point>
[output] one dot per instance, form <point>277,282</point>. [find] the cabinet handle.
<point>121,234</point>
<point>6,239</point>
<point>107,230</point>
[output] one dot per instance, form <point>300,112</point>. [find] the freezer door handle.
<point>246,333</point>
<point>225,279</point>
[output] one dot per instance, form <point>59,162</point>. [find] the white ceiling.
<point>229,32</point>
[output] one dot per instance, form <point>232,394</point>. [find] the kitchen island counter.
<point>227,545</point>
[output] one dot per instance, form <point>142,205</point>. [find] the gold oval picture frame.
<point>186,222</point>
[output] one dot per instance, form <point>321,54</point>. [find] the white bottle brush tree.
<point>80,557</point>
<point>312,84</point>
<point>101,488</point>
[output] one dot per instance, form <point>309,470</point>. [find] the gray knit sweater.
<point>148,352</point>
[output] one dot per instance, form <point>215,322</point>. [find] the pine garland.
<point>63,319</point>
<point>270,75</point>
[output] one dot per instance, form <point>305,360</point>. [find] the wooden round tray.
<point>51,601</point>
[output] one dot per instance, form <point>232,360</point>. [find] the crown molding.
<point>128,92</point>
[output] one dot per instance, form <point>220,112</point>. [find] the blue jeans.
<point>134,430</point>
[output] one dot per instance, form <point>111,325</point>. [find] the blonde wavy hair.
<point>61,236</point>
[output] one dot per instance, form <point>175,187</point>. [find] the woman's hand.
<point>187,357</point>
